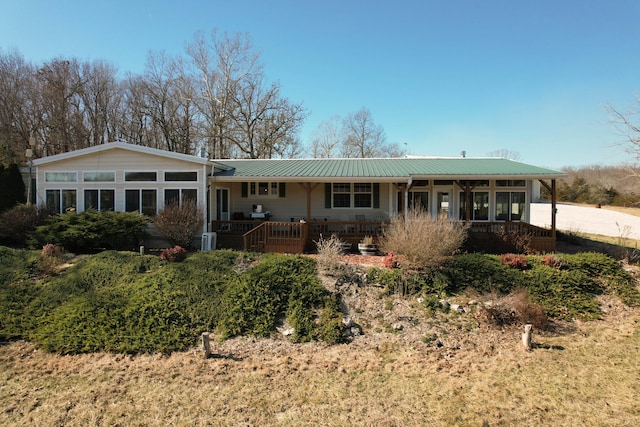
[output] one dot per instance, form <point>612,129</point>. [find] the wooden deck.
<point>300,237</point>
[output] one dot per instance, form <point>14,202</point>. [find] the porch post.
<point>308,188</point>
<point>554,210</point>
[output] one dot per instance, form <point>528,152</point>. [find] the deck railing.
<point>296,237</point>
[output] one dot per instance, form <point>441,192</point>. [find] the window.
<point>265,189</point>
<point>417,199</point>
<point>181,176</point>
<point>341,195</point>
<point>61,176</point>
<point>179,195</point>
<point>510,206</point>
<point>99,176</point>
<point>100,200</point>
<point>476,183</point>
<point>479,206</point>
<point>140,176</point>
<point>511,183</point>
<point>362,193</point>
<point>142,201</point>
<point>352,195</point>
<point>61,200</point>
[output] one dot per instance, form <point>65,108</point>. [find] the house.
<point>285,204</point>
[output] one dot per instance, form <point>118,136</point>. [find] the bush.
<point>50,257</point>
<point>180,222</point>
<point>514,261</point>
<point>329,251</point>
<point>278,286</point>
<point>175,254</point>
<point>17,222</point>
<point>91,230</point>
<point>422,242</point>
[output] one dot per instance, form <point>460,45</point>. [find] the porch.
<point>300,237</point>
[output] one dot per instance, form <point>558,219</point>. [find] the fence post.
<point>526,336</point>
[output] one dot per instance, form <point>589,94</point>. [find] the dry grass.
<point>471,374</point>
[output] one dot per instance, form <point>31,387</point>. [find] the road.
<point>585,219</point>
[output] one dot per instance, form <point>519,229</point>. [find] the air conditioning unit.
<point>208,242</point>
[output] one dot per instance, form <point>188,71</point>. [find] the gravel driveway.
<point>582,219</point>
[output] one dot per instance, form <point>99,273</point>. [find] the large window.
<point>510,205</point>
<point>479,206</point>
<point>179,195</point>
<point>100,200</point>
<point>142,201</point>
<point>61,201</point>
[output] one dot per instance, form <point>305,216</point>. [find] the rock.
<point>356,331</point>
<point>397,326</point>
<point>288,332</point>
<point>458,308</point>
<point>347,322</point>
<point>445,305</point>
<point>420,300</point>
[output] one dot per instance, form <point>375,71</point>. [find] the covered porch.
<point>301,236</point>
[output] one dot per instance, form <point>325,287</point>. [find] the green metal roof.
<point>383,169</point>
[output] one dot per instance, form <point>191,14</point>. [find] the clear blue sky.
<point>440,76</point>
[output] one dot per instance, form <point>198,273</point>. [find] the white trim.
<point>121,145</point>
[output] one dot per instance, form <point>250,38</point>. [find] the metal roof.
<point>387,169</point>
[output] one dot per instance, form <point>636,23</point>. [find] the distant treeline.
<point>604,185</point>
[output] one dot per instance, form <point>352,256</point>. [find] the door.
<point>222,204</point>
<point>443,205</point>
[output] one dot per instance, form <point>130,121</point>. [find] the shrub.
<point>50,257</point>
<point>91,230</point>
<point>422,242</point>
<point>552,261</point>
<point>11,187</point>
<point>391,261</point>
<point>17,222</point>
<point>175,254</point>
<point>180,222</point>
<point>514,261</point>
<point>329,251</point>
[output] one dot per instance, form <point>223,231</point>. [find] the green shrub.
<point>483,273</point>
<point>278,286</point>
<point>92,230</point>
<point>331,329</point>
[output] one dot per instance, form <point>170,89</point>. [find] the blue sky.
<point>441,76</point>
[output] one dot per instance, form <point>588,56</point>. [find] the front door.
<point>444,203</point>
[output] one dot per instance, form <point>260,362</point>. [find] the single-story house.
<point>285,204</point>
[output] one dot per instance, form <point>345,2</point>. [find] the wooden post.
<point>206,344</point>
<point>526,336</point>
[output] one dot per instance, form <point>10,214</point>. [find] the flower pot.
<point>368,249</point>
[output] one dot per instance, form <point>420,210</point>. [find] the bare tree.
<point>101,96</point>
<point>362,137</point>
<point>221,65</point>
<point>60,115</point>
<point>16,116</point>
<point>628,124</point>
<point>265,125</point>
<point>327,138</point>
<point>168,100</point>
